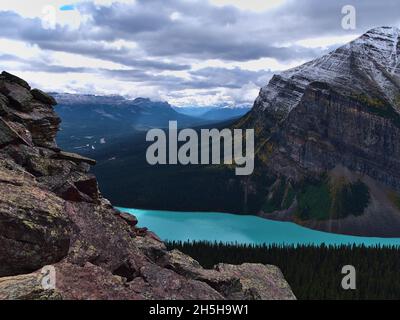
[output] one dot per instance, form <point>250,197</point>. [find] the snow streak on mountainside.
<point>368,65</point>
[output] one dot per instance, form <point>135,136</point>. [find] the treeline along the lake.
<point>312,272</point>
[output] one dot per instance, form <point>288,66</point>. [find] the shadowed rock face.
<point>327,128</point>
<point>348,99</point>
<point>52,213</point>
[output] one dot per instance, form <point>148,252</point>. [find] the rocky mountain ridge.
<point>111,100</point>
<point>369,62</point>
<point>53,214</point>
<point>328,136</point>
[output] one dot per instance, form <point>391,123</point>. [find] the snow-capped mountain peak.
<point>369,65</point>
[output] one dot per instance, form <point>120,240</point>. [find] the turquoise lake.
<point>195,226</point>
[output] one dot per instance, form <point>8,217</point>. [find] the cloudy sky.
<point>188,52</point>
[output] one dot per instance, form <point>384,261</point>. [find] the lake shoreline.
<point>242,229</point>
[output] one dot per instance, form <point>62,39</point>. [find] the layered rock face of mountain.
<point>367,66</point>
<point>52,214</point>
<point>330,130</point>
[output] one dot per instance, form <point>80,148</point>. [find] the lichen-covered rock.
<point>150,246</point>
<point>14,79</point>
<point>43,97</point>
<point>73,157</point>
<point>19,97</point>
<point>238,282</point>
<point>90,282</point>
<point>20,108</point>
<point>71,282</point>
<point>129,218</point>
<point>258,282</point>
<point>26,287</point>
<point>34,230</point>
<point>170,286</point>
<point>52,213</point>
<point>8,135</point>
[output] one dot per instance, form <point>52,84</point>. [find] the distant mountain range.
<point>219,113</point>
<point>89,122</point>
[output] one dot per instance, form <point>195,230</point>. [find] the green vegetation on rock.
<point>380,108</point>
<point>395,198</point>
<point>326,199</point>
<point>351,199</point>
<point>314,201</point>
<point>319,199</point>
<point>281,197</point>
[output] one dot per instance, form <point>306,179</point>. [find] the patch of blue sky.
<point>67,7</point>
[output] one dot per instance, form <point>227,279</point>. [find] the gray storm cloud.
<point>173,36</point>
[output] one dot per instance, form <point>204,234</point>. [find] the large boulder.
<point>26,287</point>
<point>238,282</point>
<point>43,97</point>
<point>19,97</point>
<point>34,230</point>
<point>14,79</point>
<point>8,134</point>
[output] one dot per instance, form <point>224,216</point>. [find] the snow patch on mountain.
<point>370,61</point>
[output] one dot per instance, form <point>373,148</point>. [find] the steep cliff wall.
<point>327,128</point>
<point>329,132</point>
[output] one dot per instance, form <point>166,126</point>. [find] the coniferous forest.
<point>312,272</point>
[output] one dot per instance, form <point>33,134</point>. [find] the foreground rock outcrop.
<point>52,214</point>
